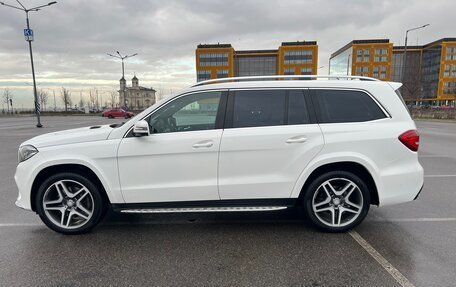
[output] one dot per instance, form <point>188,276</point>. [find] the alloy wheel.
<point>337,202</point>
<point>68,204</point>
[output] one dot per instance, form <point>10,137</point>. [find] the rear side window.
<point>339,106</point>
<point>297,108</point>
<point>259,108</point>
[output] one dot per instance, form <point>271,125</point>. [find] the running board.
<point>204,209</point>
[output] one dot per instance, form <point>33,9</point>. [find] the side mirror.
<point>141,128</point>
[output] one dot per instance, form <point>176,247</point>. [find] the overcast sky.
<point>73,37</point>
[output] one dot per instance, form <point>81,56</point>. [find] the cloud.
<point>73,37</point>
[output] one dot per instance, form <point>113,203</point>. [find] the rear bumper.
<point>400,183</point>
<point>418,194</point>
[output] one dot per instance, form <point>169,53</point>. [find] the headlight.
<point>25,152</point>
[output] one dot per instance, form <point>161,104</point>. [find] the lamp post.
<point>405,49</point>
<point>29,38</point>
<point>122,58</point>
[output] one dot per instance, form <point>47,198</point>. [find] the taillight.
<point>410,139</point>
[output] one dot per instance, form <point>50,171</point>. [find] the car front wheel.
<point>69,203</point>
<point>337,201</point>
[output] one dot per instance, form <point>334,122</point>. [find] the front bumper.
<point>26,173</point>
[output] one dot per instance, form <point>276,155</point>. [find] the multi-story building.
<point>221,60</point>
<point>369,58</point>
<point>428,75</point>
<point>135,97</point>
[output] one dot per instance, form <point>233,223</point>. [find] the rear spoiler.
<point>395,85</point>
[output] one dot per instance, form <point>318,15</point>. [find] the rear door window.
<point>254,108</point>
<point>343,106</point>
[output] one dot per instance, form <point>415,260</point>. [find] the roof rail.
<point>278,77</point>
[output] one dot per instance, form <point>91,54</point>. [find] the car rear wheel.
<point>110,116</point>
<point>69,203</point>
<point>337,201</point>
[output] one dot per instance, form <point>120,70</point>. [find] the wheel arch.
<point>349,166</point>
<point>59,168</point>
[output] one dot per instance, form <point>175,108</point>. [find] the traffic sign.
<point>28,34</point>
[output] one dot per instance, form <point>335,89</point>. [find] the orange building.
<point>429,74</point>
<point>221,60</point>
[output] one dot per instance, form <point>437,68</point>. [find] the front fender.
<point>100,157</point>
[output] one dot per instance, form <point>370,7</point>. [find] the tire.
<point>72,196</point>
<point>337,201</point>
<point>110,116</point>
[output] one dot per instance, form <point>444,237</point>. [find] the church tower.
<point>135,82</point>
<point>123,84</point>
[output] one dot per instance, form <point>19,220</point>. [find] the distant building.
<point>135,97</point>
<point>221,60</point>
<point>430,74</point>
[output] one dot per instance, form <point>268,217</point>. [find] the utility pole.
<point>405,50</point>
<point>28,33</point>
<point>348,64</point>
<point>122,58</point>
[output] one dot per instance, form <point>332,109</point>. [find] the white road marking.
<point>424,219</point>
<point>184,221</point>
<point>18,224</point>
<point>401,279</point>
<point>424,156</point>
<point>440,175</point>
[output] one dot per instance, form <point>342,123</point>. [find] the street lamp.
<point>29,38</point>
<point>405,49</point>
<point>122,58</point>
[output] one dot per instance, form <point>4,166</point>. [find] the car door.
<point>270,136</point>
<point>178,160</point>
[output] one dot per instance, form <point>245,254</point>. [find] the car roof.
<point>347,84</point>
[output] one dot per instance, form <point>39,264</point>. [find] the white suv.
<point>333,146</point>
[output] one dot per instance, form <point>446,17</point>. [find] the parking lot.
<point>413,244</point>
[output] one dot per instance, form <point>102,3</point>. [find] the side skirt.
<point>206,206</point>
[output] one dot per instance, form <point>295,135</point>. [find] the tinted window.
<point>189,113</point>
<point>297,108</point>
<point>259,108</point>
<point>347,106</point>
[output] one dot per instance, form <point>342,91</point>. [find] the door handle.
<point>207,143</point>
<point>297,139</point>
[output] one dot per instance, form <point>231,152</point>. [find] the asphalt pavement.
<point>412,244</point>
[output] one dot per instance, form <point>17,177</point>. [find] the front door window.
<point>188,113</point>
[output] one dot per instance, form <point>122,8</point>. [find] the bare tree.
<point>413,87</point>
<point>8,98</point>
<point>66,98</point>
<point>160,92</point>
<point>81,100</point>
<point>43,97</point>
<point>113,99</point>
<point>92,99</point>
<point>97,99</point>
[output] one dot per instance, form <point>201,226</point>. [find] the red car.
<point>117,113</point>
